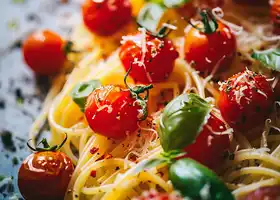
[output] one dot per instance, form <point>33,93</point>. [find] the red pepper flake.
<point>108,156</point>
<point>93,150</point>
<point>93,173</point>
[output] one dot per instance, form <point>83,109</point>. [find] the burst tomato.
<point>151,58</point>
<point>45,175</point>
<point>211,144</point>
<point>245,100</point>
<point>210,49</point>
<point>112,111</point>
<point>106,17</point>
<point>43,52</point>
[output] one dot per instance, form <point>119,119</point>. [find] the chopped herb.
<point>13,24</point>
<point>18,1</point>
<point>19,96</point>
<point>2,104</point>
<point>6,137</point>
<point>15,161</point>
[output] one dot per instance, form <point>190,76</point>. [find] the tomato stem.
<point>163,32</point>
<point>136,91</point>
<point>46,146</point>
<point>68,48</point>
<point>209,22</point>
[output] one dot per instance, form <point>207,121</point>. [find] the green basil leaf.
<point>196,181</point>
<point>270,58</point>
<point>81,91</point>
<point>149,164</point>
<point>175,3</point>
<point>150,15</point>
<point>182,120</point>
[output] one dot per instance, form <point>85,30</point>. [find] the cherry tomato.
<point>253,2</point>
<point>188,10</point>
<point>246,99</point>
<point>154,195</point>
<point>265,193</point>
<point>211,144</point>
<point>275,15</point>
<point>153,65</point>
<point>205,51</point>
<point>45,175</point>
<point>43,52</point>
<point>106,17</point>
<point>215,3</point>
<point>112,111</point>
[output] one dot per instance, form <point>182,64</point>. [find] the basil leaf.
<point>196,181</point>
<point>81,91</point>
<point>150,15</point>
<point>149,164</point>
<point>175,3</point>
<point>182,120</point>
<point>270,58</point>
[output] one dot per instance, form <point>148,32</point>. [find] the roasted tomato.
<point>45,175</point>
<point>211,144</point>
<point>44,53</point>
<point>246,99</point>
<point>113,111</point>
<point>154,195</point>
<point>275,15</point>
<point>151,58</point>
<point>265,193</point>
<point>106,17</point>
<point>209,48</point>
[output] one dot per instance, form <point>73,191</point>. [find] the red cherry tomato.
<point>215,3</point>
<point>106,17</point>
<point>275,15</point>
<point>43,52</point>
<point>245,100</point>
<point>45,175</point>
<point>207,50</point>
<point>211,144</point>
<point>253,2</point>
<point>112,112</point>
<point>153,65</point>
<point>154,195</point>
<point>265,193</point>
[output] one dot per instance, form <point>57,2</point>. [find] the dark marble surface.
<point>21,92</point>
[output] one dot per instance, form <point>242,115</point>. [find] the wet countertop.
<point>21,92</point>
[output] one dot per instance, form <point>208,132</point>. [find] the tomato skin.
<point>206,50</point>
<point>245,96</point>
<point>210,145</point>
<point>43,52</point>
<point>45,175</point>
<point>119,115</point>
<point>106,17</point>
<point>158,60</point>
<point>275,16</point>
<point>265,193</point>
